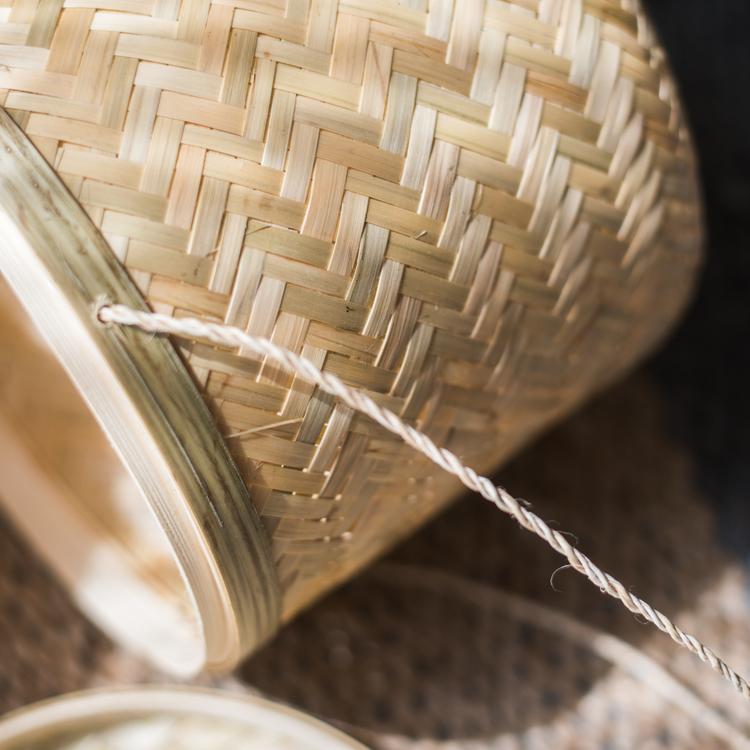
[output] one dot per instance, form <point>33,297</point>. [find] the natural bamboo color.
<point>166,718</point>
<point>94,529</point>
<point>478,211</point>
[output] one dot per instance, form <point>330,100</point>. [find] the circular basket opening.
<point>165,718</point>
<point>68,490</point>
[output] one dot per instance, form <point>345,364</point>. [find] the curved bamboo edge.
<point>60,268</point>
<point>47,720</point>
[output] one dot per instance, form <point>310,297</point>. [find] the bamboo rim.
<point>48,720</point>
<point>60,267</point>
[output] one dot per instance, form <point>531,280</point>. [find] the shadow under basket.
<point>478,218</point>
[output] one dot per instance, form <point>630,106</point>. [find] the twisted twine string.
<point>224,335</point>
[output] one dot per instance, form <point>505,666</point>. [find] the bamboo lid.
<point>162,718</point>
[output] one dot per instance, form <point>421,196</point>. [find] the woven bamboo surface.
<point>477,211</point>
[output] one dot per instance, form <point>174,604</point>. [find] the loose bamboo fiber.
<point>477,212</point>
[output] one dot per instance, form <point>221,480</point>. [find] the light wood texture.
<point>164,718</point>
<point>67,489</point>
<point>479,212</point>
<point>60,268</point>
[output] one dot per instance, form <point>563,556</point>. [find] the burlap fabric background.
<point>415,666</point>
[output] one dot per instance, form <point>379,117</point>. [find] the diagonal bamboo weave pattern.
<point>475,211</point>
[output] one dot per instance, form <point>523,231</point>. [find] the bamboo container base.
<point>65,486</point>
<point>190,585</point>
<point>166,719</point>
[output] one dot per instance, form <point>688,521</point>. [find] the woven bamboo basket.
<point>477,211</point>
<point>160,718</point>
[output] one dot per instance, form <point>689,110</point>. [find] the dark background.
<point>705,368</point>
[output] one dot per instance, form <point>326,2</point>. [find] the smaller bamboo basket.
<point>479,212</point>
<point>166,719</point>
